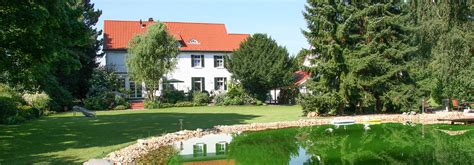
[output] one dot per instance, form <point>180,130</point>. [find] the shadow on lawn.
<point>31,141</point>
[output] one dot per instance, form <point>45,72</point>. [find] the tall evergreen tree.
<point>260,64</point>
<point>445,35</point>
<point>362,53</point>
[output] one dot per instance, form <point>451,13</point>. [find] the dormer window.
<point>194,42</point>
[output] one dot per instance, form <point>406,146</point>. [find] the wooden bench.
<point>462,120</point>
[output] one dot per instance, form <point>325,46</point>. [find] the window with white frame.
<point>221,148</point>
<point>197,83</point>
<point>135,90</point>
<point>218,61</point>
<point>220,83</point>
<point>197,60</point>
<point>199,149</point>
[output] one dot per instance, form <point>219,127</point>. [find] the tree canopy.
<point>446,38</point>
<point>49,46</point>
<point>260,64</point>
<point>151,56</point>
<point>363,50</point>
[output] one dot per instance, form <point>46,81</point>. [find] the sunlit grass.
<point>69,138</point>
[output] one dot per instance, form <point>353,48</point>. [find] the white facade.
<point>215,76</point>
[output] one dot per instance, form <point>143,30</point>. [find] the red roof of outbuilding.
<point>301,77</point>
<point>210,36</point>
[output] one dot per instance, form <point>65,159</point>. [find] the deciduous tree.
<point>152,55</point>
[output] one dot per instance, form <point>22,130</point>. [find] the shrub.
<point>17,119</point>
<point>184,104</point>
<point>200,98</point>
<point>28,112</point>
<point>258,103</point>
<point>173,96</point>
<point>151,104</point>
<point>119,100</point>
<point>120,107</point>
<point>103,101</point>
<point>237,96</point>
<point>39,101</point>
<point>6,91</point>
<point>219,99</point>
<point>166,105</point>
<point>233,101</point>
<point>202,104</point>
<point>8,109</point>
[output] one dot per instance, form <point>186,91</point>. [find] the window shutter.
<point>225,83</point>
<point>202,61</point>
<point>215,83</point>
<point>194,150</point>
<point>226,148</point>
<point>205,150</point>
<point>192,60</point>
<point>215,61</point>
<point>192,84</point>
<point>218,146</point>
<point>203,82</point>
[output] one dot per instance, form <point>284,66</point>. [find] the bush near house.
<point>120,107</point>
<point>173,96</point>
<point>200,98</point>
<point>185,104</point>
<point>104,92</point>
<point>148,104</point>
<point>236,95</point>
<point>105,101</point>
<point>158,105</point>
<point>219,99</point>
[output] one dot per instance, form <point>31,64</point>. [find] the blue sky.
<point>281,19</point>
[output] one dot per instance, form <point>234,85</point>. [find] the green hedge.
<point>8,110</point>
<point>157,105</point>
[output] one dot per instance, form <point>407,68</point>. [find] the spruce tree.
<point>446,38</point>
<point>363,50</point>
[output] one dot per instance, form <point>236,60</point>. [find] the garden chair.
<point>456,104</point>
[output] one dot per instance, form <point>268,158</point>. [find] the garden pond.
<point>390,143</point>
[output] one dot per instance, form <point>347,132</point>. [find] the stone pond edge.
<point>144,146</point>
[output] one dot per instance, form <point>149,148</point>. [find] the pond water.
<point>391,143</point>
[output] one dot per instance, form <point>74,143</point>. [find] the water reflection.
<point>368,143</point>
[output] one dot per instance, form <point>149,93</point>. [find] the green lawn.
<point>67,139</point>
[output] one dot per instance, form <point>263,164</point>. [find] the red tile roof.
<point>210,36</point>
<point>301,77</point>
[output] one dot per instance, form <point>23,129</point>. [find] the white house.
<point>200,63</point>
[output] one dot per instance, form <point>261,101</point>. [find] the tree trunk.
<point>377,104</point>
<point>341,109</point>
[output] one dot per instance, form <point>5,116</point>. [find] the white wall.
<point>183,70</point>
<point>210,140</point>
<point>116,59</point>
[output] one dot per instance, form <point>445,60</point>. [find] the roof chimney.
<point>141,24</point>
<point>150,19</point>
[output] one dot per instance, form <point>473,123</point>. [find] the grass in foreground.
<point>68,139</point>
